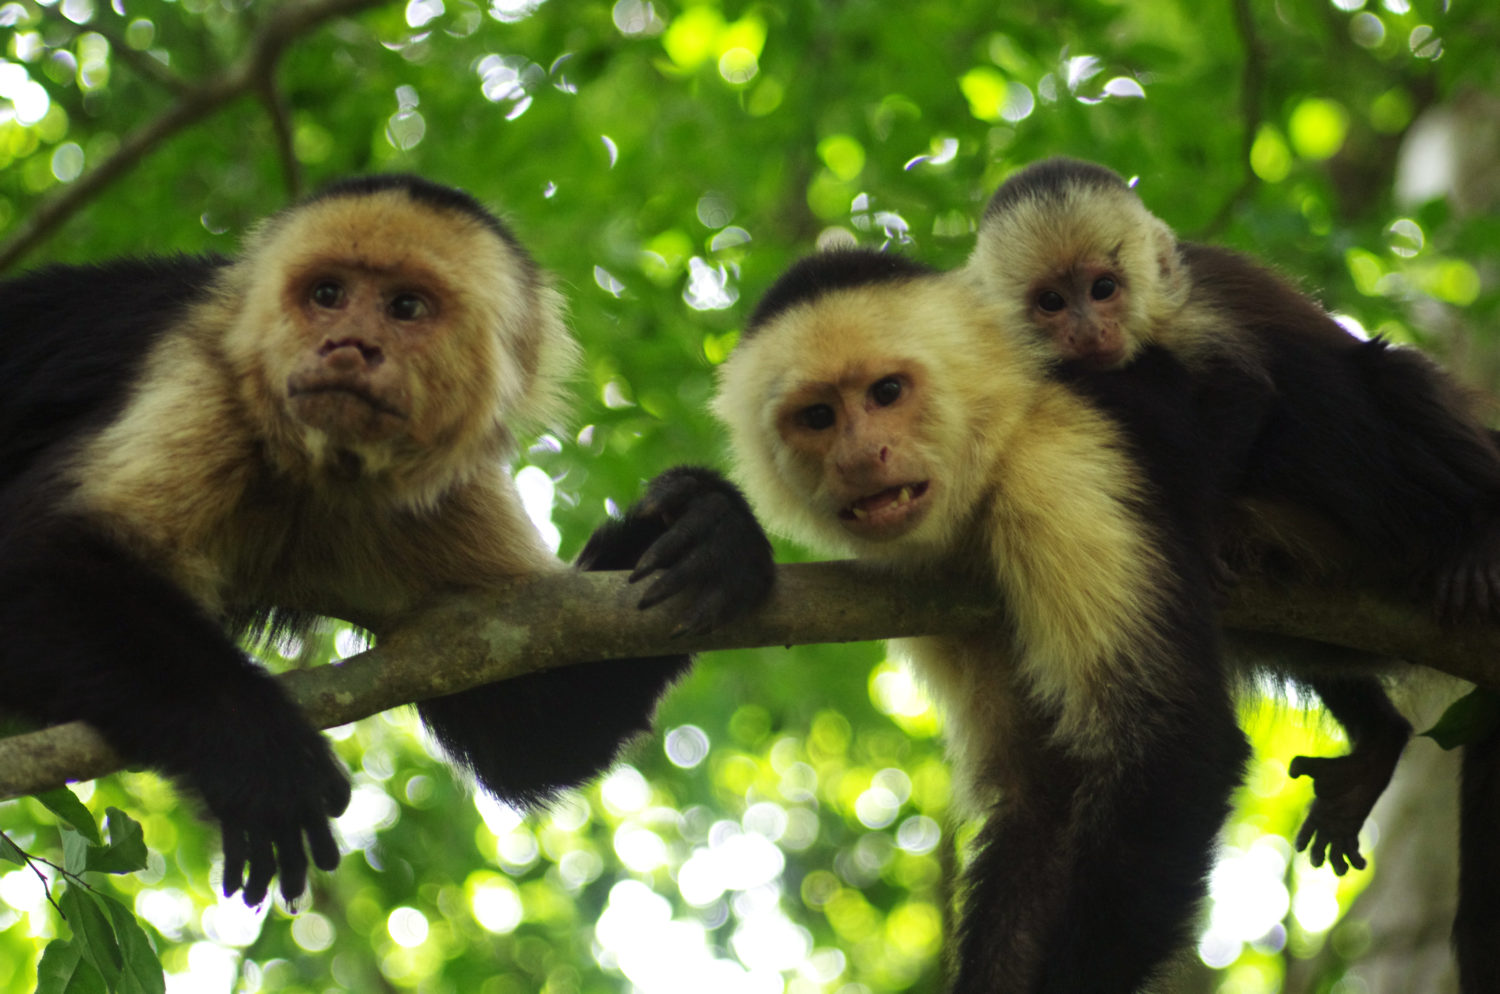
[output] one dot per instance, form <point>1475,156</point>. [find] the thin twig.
<point>280,112</point>
<point>31,862</point>
<point>1252,87</point>
<point>284,25</point>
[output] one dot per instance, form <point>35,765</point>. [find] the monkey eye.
<point>327,293</point>
<point>1051,301</point>
<point>1103,288</point>
<point>408,307</point>
<point>886,392</point>
<point>817,417</point>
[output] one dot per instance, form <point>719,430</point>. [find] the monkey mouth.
<point>344,389</point>
<point>886,513</point>
<point>347,408</point>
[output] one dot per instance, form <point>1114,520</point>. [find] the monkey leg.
<point>1476,926</point>
<point>1092,881</point>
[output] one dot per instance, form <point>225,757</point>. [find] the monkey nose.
<point>350,353</point>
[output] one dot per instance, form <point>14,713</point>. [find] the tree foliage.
<point>785,829</point>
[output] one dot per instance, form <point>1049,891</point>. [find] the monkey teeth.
<point>892,501</point>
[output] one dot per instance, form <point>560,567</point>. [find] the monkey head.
<point>841,433</point>
<point>1071,252</point>
<point>392,327</point>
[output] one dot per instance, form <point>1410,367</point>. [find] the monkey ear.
<point>1164,241</point>
<point>1171,271</point>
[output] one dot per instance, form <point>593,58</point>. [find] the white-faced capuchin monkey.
<point>878,409</point>
<point>1348,460</point>
<point>194,448</point>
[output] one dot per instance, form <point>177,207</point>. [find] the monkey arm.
<point>527,738</point>
<point>87,632</point>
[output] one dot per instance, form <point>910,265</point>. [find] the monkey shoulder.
<point>74,341</point>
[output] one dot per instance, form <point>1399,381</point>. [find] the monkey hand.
<point>1345,788</point>
<point>272,782</point>
<point>696,532</point>
<point>1470,587</point>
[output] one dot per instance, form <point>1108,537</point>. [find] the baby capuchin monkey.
<point>1348,460</point>
<point>1374,439</point>
<point>880,409</point>
<point>196,448</point>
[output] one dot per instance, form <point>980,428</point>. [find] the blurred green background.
<point>785,830</point>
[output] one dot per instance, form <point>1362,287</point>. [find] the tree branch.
<point>254,71</point>
<point>140,62</point>
<point>551,620</point>
<point>1252,87</point>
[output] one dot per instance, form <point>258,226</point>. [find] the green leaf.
<point>12,852</point>
<point>1471,718</point>
<point>66,805</point>
<point>75,851</point>
<point>126,851</point>
<point>92,933</point>
<point>63,970</point>
<point>140,968</point>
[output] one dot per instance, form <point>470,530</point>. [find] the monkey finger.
<point>325,850</point>
<point>1336,861</point>
<point>234,860</point>
<point>1458,597</point>
<point>665,585</point>
<point>1487,593</point>
<point>1307,766</point>
<point>292,860</point>
<point>337,793</point>
<point>1469,594</point>
<point>669,493</point>
<point>1305,834</point>
<point>667,550</point>
<point>262,869</point>
<point>1491,582</point>
<point>704,616</point>
<point>1444,597</point>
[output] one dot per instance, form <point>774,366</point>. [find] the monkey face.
<point>1071,253</point>
<point>1083,308</point>
<point>859,434</point>
<point>360,334</point>
<point>860,415</point>
<point>380,335</point>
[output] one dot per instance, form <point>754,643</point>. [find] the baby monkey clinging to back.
<point>1348,459</point>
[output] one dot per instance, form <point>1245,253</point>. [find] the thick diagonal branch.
<point>572,617</point>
